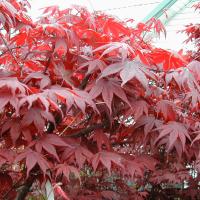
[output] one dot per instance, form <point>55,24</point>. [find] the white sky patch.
<point>127,9</point>
<point>133,9</point>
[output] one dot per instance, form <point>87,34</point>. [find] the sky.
<point>123,9</point>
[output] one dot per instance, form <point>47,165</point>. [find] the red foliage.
<point>193,33</point>
<point>91,110</point>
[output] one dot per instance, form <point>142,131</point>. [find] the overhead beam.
<point>173,12</point>
<point>159,10</point>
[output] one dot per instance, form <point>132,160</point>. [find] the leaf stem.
<point>5,43</point>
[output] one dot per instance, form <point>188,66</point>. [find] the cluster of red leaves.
<point>193,32</point>
<point>90,107</point>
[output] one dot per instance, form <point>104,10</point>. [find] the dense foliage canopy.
<point>91,110</point>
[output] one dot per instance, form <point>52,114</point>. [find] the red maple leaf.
<point>32,158</point>
<point>6,156</point>
<point>44,80</point>
<point>167,109</point>
<point>71,97</point>
<point>101,139</point>
<point>38,117</point>
<point>48,143</point>
<point>173,131</point>
<point>93,66</point>
<point>106,159</point>
<point>129,70</point>
<point>108,88</point>
<point>149,123</point>
<point>77,154</point>
<point>138,108</point>
<point>66,170</point>
<point>169,59</point>
<point>15,128</point>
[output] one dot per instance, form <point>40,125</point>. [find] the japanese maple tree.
<point>90,110</point>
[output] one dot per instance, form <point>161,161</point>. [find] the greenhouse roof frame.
<point>158,10</point>
<point>166,8</point>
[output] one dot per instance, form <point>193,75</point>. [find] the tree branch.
<point>84,82</point>
<point>13,187</point>
<point>47,65</point>
<point>10,51</point>
<point>17,47</point>
<point>26,188</point>
<point>88,130</point>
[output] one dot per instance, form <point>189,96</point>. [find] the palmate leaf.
<point>54,29</point>
<point>11,92</point>
<point>16,129</point>
<point>38,117</point>
<point>106,158</point>
<point>33,65</point>
<point>183,77</point>
<point>169,60</point>
<point>33,98</point>
<point>129,70</point>
<point>66,170</point>
<point>157,25</point>
<point>137,166</point>
<point>194,95</point>
<point>110,195</point>
<point>163,176</point>
<point>49,143</point>
<point>194,67</point>
<point>58,94</point>
<point>71,97</point>
<point>123,48</point>
<point>135,69</point>
<point>78,154</point>
<point>197,137</point>
<point>173,132</point>
<point>107,88</point>
<point>167,109</point>
<point>13,85</point>
<point>6,156</point>
<point>93,65</point>
<point>90,36</point>
<point>149,123</point>
<point>101,139</point>
<point>44,80</point>
<point>11,13</point>
<point>7,98</point>
<point>133,169</point>
<point>32,158</point>
<point>115,28</point>
<point>138,108</point>
<point>60,47</point>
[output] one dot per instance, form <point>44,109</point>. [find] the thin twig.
<point>88,130</point>
<point>63,131</point>
<point>5,43</point>
<point>47,65</point>
<point>18,47</point>
<point>84,82</point>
